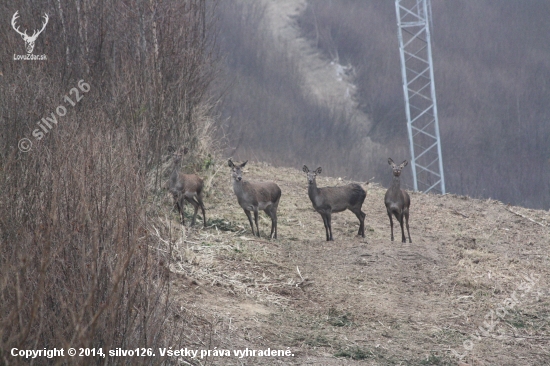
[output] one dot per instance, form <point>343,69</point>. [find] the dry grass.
<point>371,299</point>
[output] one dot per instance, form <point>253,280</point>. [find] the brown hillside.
<point>367,301</point>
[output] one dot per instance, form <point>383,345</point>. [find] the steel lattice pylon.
<point>413,18</point>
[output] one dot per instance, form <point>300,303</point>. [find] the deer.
<point>398,201</point>
<point>255,196</point>
<point>29,40</point>
<point>328,200</point>
<point>185,187</point>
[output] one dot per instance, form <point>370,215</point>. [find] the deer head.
<point>29,40</point>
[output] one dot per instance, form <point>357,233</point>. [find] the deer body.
<point>186,187</point>
<point>330,200</point>
<point>397,201</point>
<point>255,196</point>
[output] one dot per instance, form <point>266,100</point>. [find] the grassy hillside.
<point>381,302</point>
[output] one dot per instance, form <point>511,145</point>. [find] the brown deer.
<point>398,201</point>
<point>336,199</point>
<point>255,196</point>
<point>185,187</point>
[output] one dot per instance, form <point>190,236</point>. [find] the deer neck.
<point>396,184</point>
<point>312,190</point>
<point>238,186</point>
<point>174,175</point>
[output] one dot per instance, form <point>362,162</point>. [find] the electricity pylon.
<point>413,23</point>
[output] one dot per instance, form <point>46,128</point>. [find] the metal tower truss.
<point>413,17</point>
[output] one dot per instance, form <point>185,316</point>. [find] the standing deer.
<point>336,199</point>
<point>398,201</point>
<point>254,196</point>
<point>185,187</point>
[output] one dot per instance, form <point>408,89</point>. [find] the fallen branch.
<point>525,217</point>
<point>527,337</point>
<point>460,213</point>
<point>298,269</point>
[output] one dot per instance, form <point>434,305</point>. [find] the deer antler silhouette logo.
<point>29,40</point>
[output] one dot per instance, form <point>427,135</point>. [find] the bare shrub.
<point>77,269</point>
<point>78,264</point>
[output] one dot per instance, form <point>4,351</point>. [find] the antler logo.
<point>29,40</point>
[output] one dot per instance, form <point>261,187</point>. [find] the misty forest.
<point>134,133</point>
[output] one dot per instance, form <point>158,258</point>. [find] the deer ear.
<point>404,163</point>
<point>243,164</point>
<point>390,161</point>
<point>318,171</point>
<point>230,163</point>
<point>305,169</point>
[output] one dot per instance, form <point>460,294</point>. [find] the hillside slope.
<point>381,302</point>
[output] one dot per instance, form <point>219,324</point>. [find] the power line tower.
<point>413,23</point>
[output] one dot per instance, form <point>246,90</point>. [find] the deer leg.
<point>406,213</point>
<point>177,206</point>
<point>250,221</point>
<point>361,216</point>
<point>400,218</point>
<point>326,226</point>
<point>195,205</point>
<point>274,220</point>
<point>391,223</point>
<point>181,208</point>
<point>272,212</point>
<point>199,199</point>
<point>256,221</point>
<point>329,224</point>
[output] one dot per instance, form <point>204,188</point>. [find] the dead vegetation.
<point>78,266</point>
<point>364,299</point>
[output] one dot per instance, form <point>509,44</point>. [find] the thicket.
<point>78,264</point>
<point>492,69</point>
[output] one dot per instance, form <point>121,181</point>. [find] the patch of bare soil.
<point>472,288</point>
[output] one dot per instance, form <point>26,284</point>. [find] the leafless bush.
<point>78,266</point>
<point>77,269</point>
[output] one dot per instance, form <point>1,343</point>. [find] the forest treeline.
<point>492,75</point>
